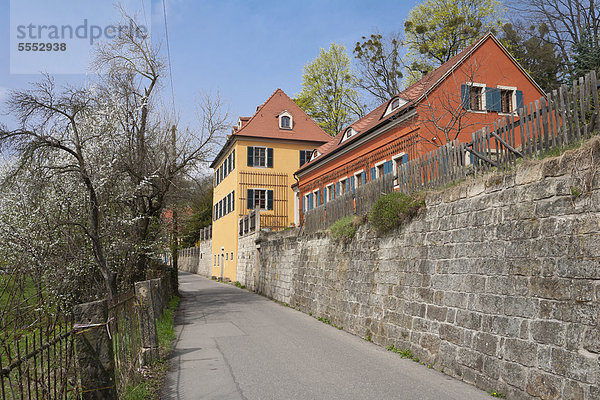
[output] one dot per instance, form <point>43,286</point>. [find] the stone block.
<point>514,374</point>
<point>486,343</point>
<point>544,386</point>
<point>528,174</point>
<point>548,332</point>
<point>520,351</point>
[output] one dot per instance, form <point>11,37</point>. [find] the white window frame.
<point>266,198</point>
<point>286,114</point>
<point>390,109</point>
<point>348,133</point>
<point>314,192</point>
<point>330,191</point>
<point>254,156</point>
<point>377,165</point>
<point>341,181</point>
<point>394,163</point>
<point>514,99</point>
<point>356,180</point>
<point>483,98</point>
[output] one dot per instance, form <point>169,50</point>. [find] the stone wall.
<point>496,282</point>
<point>246,254</point>
<point>197,260</point>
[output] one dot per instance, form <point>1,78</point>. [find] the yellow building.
<point>254,170</point>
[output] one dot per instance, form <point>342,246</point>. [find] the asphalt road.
<point>234,344</point>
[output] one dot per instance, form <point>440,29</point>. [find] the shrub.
<point>344,228</point>
<point>394,209</point>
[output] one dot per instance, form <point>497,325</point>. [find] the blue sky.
<point>244,49</point>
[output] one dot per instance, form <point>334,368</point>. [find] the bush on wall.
<point>394,209</point>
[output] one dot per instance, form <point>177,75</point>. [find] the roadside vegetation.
<point>394,209</point>
<point>152,377</point>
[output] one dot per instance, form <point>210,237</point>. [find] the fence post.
<point>157,299</point>
<point>149,351</point>
<point>94,351</point>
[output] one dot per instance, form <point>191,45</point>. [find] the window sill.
<point>478,111</point>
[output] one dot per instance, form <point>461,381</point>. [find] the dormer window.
<point>285,120</point>
<point>348,134</point>
<point>395,104</point>
<point>315,154</point>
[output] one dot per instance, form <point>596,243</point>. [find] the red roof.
<point>411,94</point>
<point>265,122</point>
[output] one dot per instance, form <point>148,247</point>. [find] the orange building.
<point>472,90</point>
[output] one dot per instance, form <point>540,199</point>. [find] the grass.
<point>403,353</point>
<point>153,377</point>
<point>394,209</point>
<point>344,228</point>
<point>493,393</point>
<point>324,320</point>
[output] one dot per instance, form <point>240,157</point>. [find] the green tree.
<point>199,215</point>
<point>436,30</point>
<point>380,65</point>
<point>586,55</point>
<point>329,94</point>
<point>532,49</point>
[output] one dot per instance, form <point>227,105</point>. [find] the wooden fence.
<point>358,202</point>
<point>563,118</point>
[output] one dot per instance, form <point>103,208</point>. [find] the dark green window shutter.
<point>464,96</point>
<point>302,157</point>
<point>250,202</point>
<point>233,201</point>
<point>269,199</point>
<point>269,157</point>
<point>250,156</point>
<point>233,160</point>
<point>519,99</point>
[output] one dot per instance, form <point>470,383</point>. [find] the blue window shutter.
<point>373,173</point>
<point>318,198</point>
<point>404,158</point>
<point>347,185</point>
<point>352,184</point>
<point>270,157</point>
<point>337,188</point>
<point>387,167</point>
<point>250,201</point>
<point>310,201</point>
<point>363,178</point>
<point>519,99</point>
<point>303,204</point>
<point>325,195</point>
<point>250,156</point>
<point>492,99</point>
<point>269,199</point>
<point>464,96</point>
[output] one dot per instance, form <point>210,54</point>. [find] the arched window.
<point>348,134</point>
<point>395,104</point>
<point>286,120</point>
